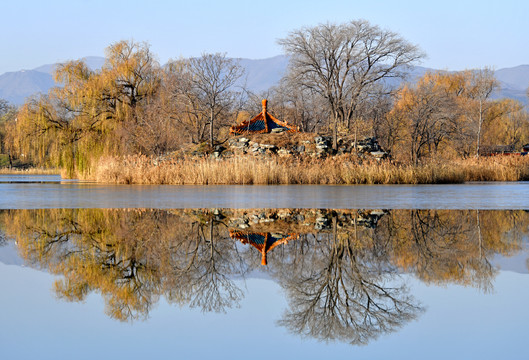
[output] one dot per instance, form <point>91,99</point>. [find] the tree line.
<point>342,79</point>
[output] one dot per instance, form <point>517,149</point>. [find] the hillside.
<point>15,87</point>
<point>261,74</point>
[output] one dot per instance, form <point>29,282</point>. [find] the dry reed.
<point>29,171</point>
<point>247,170</point>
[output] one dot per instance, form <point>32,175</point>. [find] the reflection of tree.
<point>344,293</point>
<point>203,264</point>
<point>96,251</point>
<point>340,275</point>
<point>130,257</point>
<point>448,246</point>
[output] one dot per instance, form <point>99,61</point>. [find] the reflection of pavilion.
<point>264,242</point>
<point>262,123</point>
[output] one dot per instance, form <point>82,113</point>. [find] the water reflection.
<point>339,268</point>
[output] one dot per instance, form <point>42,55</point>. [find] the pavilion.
<point>263,123</point>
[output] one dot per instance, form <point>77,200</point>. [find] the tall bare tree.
<point>299,106</point>
<point>341,62</point>
<point>213,77</point>
<point>482,85</point>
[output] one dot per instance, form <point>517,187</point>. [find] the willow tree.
<point>94,112</point>
<point>341,62</point>
<point>7,117</point>
<point>427,114</point>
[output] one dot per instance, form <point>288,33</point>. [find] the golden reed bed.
<point>30,171</point>
<point>143,170</point>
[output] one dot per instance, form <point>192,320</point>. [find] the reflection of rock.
<point>303,220</point>
<point>322,222</point>
<point>369,219</point>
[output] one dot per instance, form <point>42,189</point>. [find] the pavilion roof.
<point>264,122</point>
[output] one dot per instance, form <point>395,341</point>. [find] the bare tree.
<point>300,106</point>
<point>182,104</point>
<point>342,61</point>
<point>213,78</point>
<point>482,84</point>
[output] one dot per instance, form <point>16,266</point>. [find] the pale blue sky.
<point>454,34</point>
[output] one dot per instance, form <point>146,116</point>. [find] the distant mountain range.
<point>260,76</point>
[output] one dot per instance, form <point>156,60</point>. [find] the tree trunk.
<point>478,143</point>
<point>480,239</point>
<point>335,134</point>
<point>211,128</point>
<point>356,138</point>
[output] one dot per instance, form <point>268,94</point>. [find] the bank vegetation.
<point>120,122</point>
<point>336,171</point>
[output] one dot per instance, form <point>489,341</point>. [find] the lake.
<point>36,192</point>
<point>433,271</point>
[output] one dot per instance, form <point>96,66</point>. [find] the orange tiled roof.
<point>263,242</point>
<point>262,123</point>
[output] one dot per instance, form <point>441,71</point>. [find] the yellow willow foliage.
<point>442,246</point>
<point>89,115</point>
<point>509,124</point>
<point>449,114</point>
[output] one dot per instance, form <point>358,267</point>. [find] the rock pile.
<point>319,147</point>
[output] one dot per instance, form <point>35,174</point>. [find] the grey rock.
<point>240,144</point>
<point>321,223</point>
<point>283,152</point>
<point>269,146</point>
<point>378,154</point>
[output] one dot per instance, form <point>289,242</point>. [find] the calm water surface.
<point>36,192</point>
<point>134,272</point>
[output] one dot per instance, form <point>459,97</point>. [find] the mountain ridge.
<point>261,74</point>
